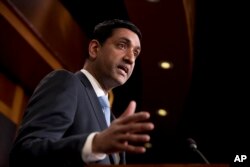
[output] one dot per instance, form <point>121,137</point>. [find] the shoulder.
<point>60,73</point>
<point>58,78</point>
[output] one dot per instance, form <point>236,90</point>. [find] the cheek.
<point>112,58</point>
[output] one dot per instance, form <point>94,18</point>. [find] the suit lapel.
<point>93,100</point>
<point>96,108</point>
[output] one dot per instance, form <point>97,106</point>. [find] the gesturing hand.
<point>123,131</point>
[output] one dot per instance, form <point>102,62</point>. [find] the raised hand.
<point>123,131</point>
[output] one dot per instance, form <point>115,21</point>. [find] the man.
<point>64,124</point>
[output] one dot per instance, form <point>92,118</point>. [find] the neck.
<point>97,78</point>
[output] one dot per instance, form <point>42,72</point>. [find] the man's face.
<point>116,58</point>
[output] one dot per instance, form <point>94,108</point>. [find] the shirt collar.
<point>97,87</point>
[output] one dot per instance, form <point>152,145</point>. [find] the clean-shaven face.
<point>116,57</point>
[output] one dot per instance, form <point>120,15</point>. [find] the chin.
<point>121,81</point>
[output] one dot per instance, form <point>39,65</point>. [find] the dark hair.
<point>104,30</point>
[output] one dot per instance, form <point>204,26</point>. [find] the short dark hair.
<point>104,30</point>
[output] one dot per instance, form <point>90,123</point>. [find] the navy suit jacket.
<point>62,112</point>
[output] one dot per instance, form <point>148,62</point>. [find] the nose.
<point>129,57</point>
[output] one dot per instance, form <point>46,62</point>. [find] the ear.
<point>93,48</point>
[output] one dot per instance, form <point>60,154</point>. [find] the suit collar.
<point>93,100</point>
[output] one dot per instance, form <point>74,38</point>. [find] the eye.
<point>136,53</point>
<point>122,45</point>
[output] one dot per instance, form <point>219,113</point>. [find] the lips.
<point>124,68</point>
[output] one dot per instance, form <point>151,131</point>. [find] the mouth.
<point>124,68</point>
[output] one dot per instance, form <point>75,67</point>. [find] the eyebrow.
<point>129,41</point>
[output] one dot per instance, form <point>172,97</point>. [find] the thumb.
<point>130,110</point>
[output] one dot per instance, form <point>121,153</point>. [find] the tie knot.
<point>104,101</point>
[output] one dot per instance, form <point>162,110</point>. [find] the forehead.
<point>124,33</point>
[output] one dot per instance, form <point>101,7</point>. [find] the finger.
<point>132,148</point>
<point>130,110</point>
<point>136,127</point>
<point>134,138</point>
<point>140,116</point>
<point>135,149</point>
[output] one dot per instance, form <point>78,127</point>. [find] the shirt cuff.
<point>87,154</point>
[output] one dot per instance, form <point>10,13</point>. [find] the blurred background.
<point>192,74</point>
